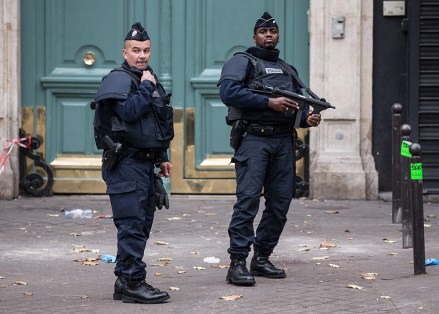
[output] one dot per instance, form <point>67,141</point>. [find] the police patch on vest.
<point>273,70</point>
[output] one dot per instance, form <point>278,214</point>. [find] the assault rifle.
<point>318,104</point>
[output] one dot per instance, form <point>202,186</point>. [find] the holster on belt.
<point>113,154</point>
<point>238,130</point>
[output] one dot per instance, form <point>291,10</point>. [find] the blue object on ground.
<point>431,261</point>
<point>109,258</point>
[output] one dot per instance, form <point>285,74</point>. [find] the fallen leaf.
<point>320,258</point>
<point>84,297</point>
<point>369,276</point>
<point>89,263</point>
<point>231,297</point>
<point>88,259</point>
<point>1,277</point>
<point>327,244</point>
<point>385,297</point>
<point>181,272</point>
<point>28,293</point>
<point>161,243</point>
<point>220,266</point>
<point>20,283</point>
<point>74,234</point>
<point>331,211</point>
<point>161,265</point>
<point>354,287</point>
<point>304,249</point>
<point>83,250</point>
<point>158,274</point>
<point>318,263</point>
<point>174,218</point>
<point>431,216</point>
<point>194,252</point>
<point>103,217</point>
<point>303,245</point>
<point>393,253</point>
<point>165,259</point>
<point>75,245</point>
<point>334,265</point>
<point>174,288</point>
<point>427,226</point>
<point>199,268</point>
<point>53,215</point>
<point>186,215</point>
<point>389,241</point>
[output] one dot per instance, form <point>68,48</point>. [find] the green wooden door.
<point>68,45</point>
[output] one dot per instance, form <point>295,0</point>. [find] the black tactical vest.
<point>153,131</point>
<point>271,73</point>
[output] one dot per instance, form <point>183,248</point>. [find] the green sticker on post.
<point>416,171</point>
<point>405,145</point>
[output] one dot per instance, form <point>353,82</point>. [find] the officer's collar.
<point>133,70</point>
<point>269,55</point>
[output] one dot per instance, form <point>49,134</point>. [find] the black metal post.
<point>406,203</point>
<point>396,164</point>
<point>418,209</point>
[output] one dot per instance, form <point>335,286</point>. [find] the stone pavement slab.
<point>39,246</point>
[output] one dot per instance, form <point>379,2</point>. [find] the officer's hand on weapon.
<point>161,197</point>
<point>165,169</point>
<point>282,104</point>
<point>147,75</point>
<point>313,119</point>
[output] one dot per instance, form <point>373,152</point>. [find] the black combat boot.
<point>141,292</point>
<point>118,288</point>
<point>261,266</point>
<point>238,273</point>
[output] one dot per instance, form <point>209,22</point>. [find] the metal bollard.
<point>406,203</point>
<point>418,209</point>
<point>396,164</point>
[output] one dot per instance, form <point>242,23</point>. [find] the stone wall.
<point>9,92</point>
<point>341,162</point>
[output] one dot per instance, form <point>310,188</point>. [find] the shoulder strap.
<point>249,56</point>
<point>257,66</point>
<point>293,72</point>
<point>134,78</point>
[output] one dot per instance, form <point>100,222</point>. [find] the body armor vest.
<point>153,131</point>
<point>271,73</point>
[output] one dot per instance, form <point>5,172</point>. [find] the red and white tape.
<point>22,142</point>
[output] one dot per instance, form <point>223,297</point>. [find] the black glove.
<point>161,197</point>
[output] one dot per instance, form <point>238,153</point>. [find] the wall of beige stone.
<point>9,92</point>
<point>341,161</point>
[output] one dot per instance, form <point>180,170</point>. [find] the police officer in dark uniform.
<point>264,159</point>
<point>133,124</point>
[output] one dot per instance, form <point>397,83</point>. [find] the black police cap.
<point>137,32</point>
<point>266,20</point>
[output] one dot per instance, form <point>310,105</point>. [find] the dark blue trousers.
<point>131,190</point>
<point>261,162</point>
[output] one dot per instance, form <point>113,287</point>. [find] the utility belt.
<point>262,130</point>
<point>144,155</point>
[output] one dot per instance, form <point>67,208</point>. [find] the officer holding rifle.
<point>262,126</point>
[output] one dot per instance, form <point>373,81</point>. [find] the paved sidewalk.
<point>37,247</point>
